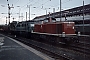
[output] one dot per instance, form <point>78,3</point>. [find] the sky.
<point>37,8</point>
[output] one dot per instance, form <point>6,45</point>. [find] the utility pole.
<point>83,16</point>
<point>26,16</point>
<point>46,11</point>
<point>60,11</point>
<point>53,10</point>
<point>29,12</point>
<point>13,18</point>
<point>6,20</point>
<point>9,12</point>
<point>26,22</point>
<point>65,16</point>
<point>19,13</point>
<point>22,16</point>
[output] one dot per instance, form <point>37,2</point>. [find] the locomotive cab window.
<point>32,25</point>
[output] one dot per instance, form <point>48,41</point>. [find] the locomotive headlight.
<point>41,26</point>
<point>73,27</point>
<point>69,22</point>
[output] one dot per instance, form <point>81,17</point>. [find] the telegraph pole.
<point>6,20</point>
<point>26,16</point>
<point>60,11</point>
<point>46,11</point>
<point>29,12</point>
<point>53,10</point>
<point>22,16</point>
<point>9,11</point>
<point>13,18</point>
<point>83,17</point>
<point>19,13</point>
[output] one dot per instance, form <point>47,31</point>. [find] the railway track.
<point>37,45</point>
<point>81,47</point>
<point>74,52</point>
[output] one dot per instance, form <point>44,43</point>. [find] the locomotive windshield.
<point>32,25</point>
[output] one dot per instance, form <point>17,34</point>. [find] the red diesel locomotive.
<point>55,28</point>
<point>55,32</point>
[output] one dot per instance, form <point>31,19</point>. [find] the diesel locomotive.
<point>47,30</point>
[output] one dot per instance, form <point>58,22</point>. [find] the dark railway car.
<point>4,28</point>
<point>12,27</point>
<point>83,29</point>
<point>24,28</point>
<point>82,26</point>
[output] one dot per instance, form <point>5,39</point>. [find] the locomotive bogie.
<point>55,38</point>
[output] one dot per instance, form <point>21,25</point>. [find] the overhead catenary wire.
<point>51,6</point>
<point>24,5</point>
<point>33,3</point>
<point>42,3</point>
<point>17,2</point>
<point>28,3</point>
<point>57,5</point>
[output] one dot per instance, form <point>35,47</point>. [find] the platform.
<point>14,50</point>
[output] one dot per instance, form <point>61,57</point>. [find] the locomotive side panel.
<point>68,28</point>
<point>55,28</point>
<point>43,28</point>
<point>37,28</point>
<point>51,28</point>
<point>59,29</point>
